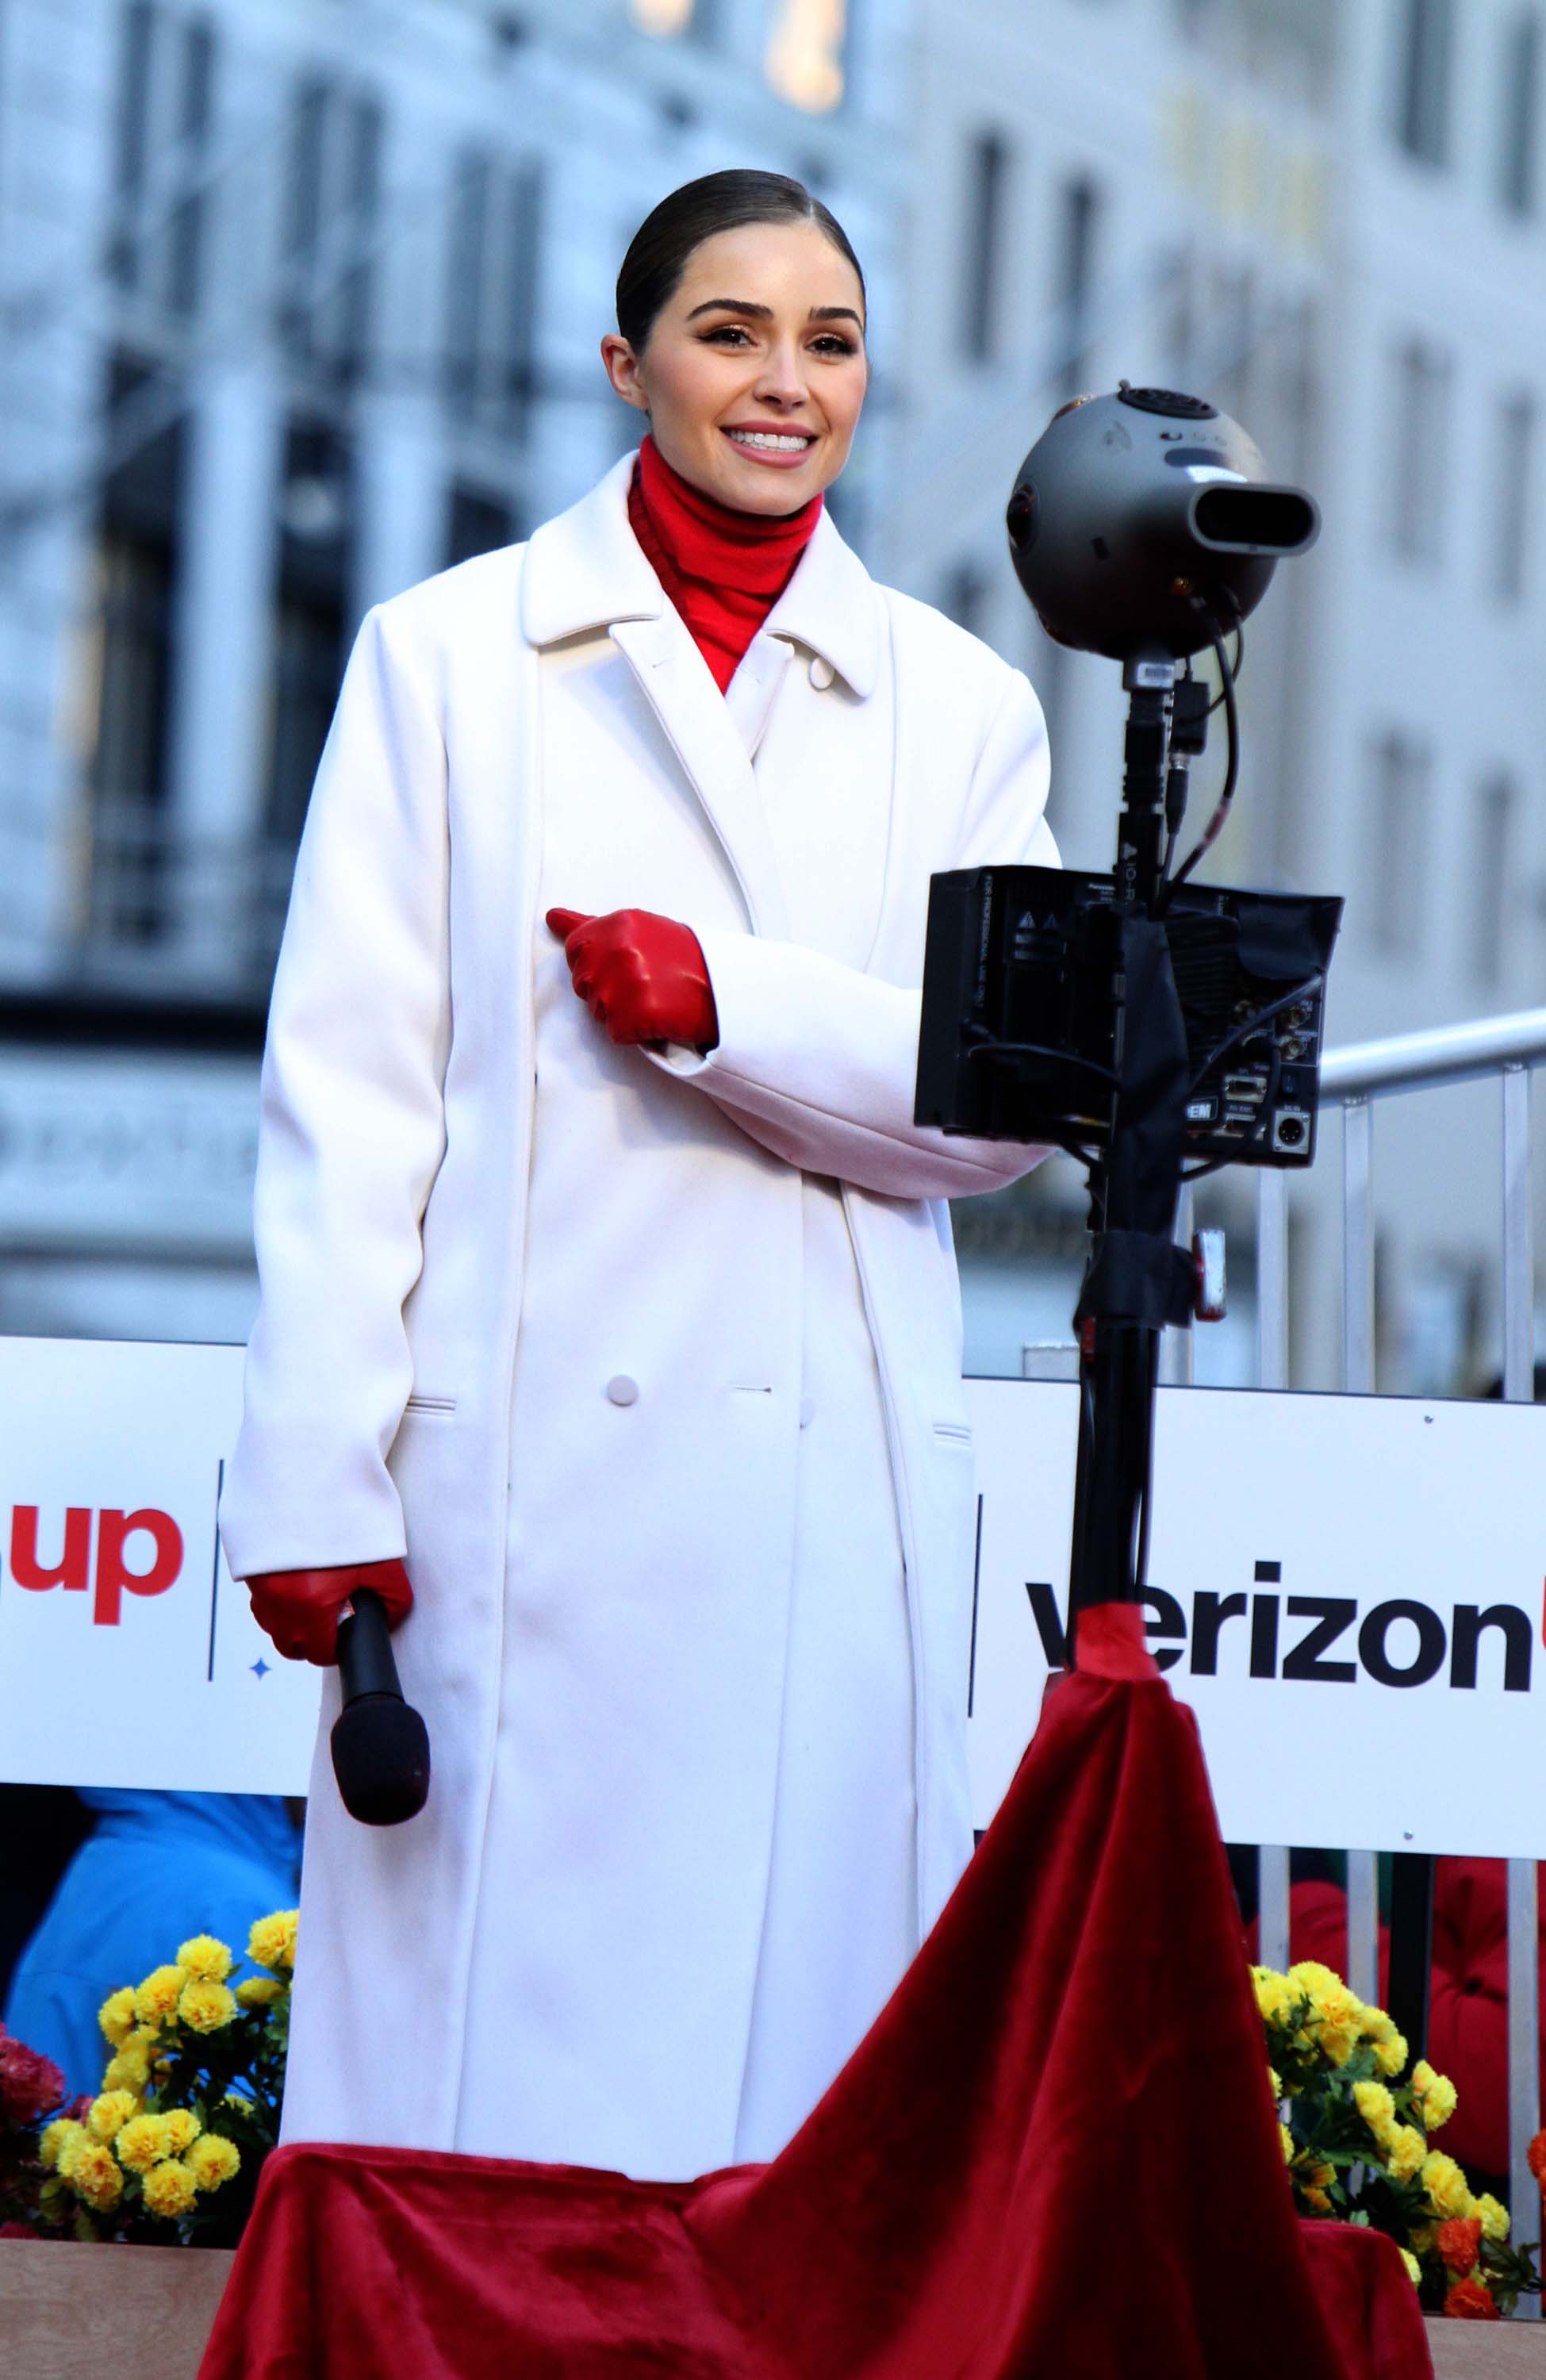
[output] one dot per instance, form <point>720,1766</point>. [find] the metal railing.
<point>1506,1048</point>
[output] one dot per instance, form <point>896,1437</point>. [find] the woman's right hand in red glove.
<point>299,1609</point>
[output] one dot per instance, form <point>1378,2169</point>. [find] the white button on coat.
<point>822,673</point>
<point>621,1390</point>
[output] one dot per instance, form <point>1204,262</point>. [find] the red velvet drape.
<point>1054,2154</point>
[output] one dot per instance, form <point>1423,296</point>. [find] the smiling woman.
<point>627,1324</point>
<point>741,333</point>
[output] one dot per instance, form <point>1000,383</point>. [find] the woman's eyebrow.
<point>731,306</point>
<point>764,313</point>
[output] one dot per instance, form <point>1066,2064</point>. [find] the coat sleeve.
<point>817,1062</point>
<point>351,1130</point>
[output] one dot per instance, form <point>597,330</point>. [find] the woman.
<point>633,1324</point>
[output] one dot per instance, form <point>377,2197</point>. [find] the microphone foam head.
<point>380,1757</point>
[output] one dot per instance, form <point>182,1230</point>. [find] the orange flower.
<point>1469,2302</point>
<point>1536,2154</point>
<point>1460,2243</point>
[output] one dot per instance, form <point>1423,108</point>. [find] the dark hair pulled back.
<point>659,251</point>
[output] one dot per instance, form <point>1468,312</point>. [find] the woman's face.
<point>755,369</point>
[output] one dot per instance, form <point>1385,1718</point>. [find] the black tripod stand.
<point>1137,1281</point>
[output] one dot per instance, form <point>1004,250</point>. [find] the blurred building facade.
<point>1329,216</point>
<point>300,300</point>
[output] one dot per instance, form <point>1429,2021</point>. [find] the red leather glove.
<point>299,1608</point>
<point>644,978</point>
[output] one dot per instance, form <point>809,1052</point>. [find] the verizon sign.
<point>1348,1591</point>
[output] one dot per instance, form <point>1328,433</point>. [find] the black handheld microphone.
<point>380,1745</point>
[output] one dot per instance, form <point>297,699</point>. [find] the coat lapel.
<point>585,570</point>
<point>676,683</point>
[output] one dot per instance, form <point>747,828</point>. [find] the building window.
<point>1518,152</point>
<point>133,651</point>
<point>1078,225</point>
<point>1494,859</point>
<point>806,58</point>
<point>1421,398</point>
<point>1395,858</point>
<point>986,189</point>
<point>478,521</point>
<point>1423,76</point>
<point>316,562</point>
<point>165,110</point>
<point>491,290</point>
<point>1515,499</point>
<point>334,185</point>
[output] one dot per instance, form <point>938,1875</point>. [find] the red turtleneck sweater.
<point>723,570</point>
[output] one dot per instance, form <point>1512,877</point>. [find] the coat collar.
<point>585,570</point>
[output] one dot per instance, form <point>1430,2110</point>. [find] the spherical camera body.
<point>1144,522</point>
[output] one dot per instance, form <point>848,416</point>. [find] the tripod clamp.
<point>1139,1277</point>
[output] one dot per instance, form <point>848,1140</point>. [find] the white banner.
<point>127,1655</point>
<point>1347,1590</point>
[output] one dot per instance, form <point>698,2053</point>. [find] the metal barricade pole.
<point>1518,1315</point>
<point>1272,1372</point>
<point>1175,1346</point>
<point>1358,1376</point>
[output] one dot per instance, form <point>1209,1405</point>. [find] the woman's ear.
<point>622,370</point>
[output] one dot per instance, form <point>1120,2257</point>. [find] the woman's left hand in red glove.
<point>644,978</point>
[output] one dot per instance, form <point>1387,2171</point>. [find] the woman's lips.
<point>785,459</point>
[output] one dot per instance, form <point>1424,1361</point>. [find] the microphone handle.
<point>366,1662</point>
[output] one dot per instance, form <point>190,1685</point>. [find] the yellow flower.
<point>1275,1999</point>
<point>1313,1979</point>
<point>169,2189</point>
<point>1435,2095</point>
<point>95,2177</point>
<point>1274,2081</point>
<point>258,1991</point>
<point>158,1995</point>
<point>207,1959</point>
<point>1492,2215</point>
<point>1389,2047</point>
<point>1414,2270</point>
<point>116,2015</point>
<point>1318,2199</point>
<point>1286,2137</point>
<point>142,2140</point>
<point>109,2112</point>
<point>1377,2108</point>
<point>213,2160</point>
<point>1445,2184</point>
<point>60,2139</point>
<point>130,2069</point>
<point>271,1942</point>
<point>1405,2151</point>
<point>1336,2017</point>
<point>1422,2236</point>
<point>183,2129</point>
<point>206,2007</point>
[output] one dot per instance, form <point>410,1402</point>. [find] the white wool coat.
<point>391,1213</point>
